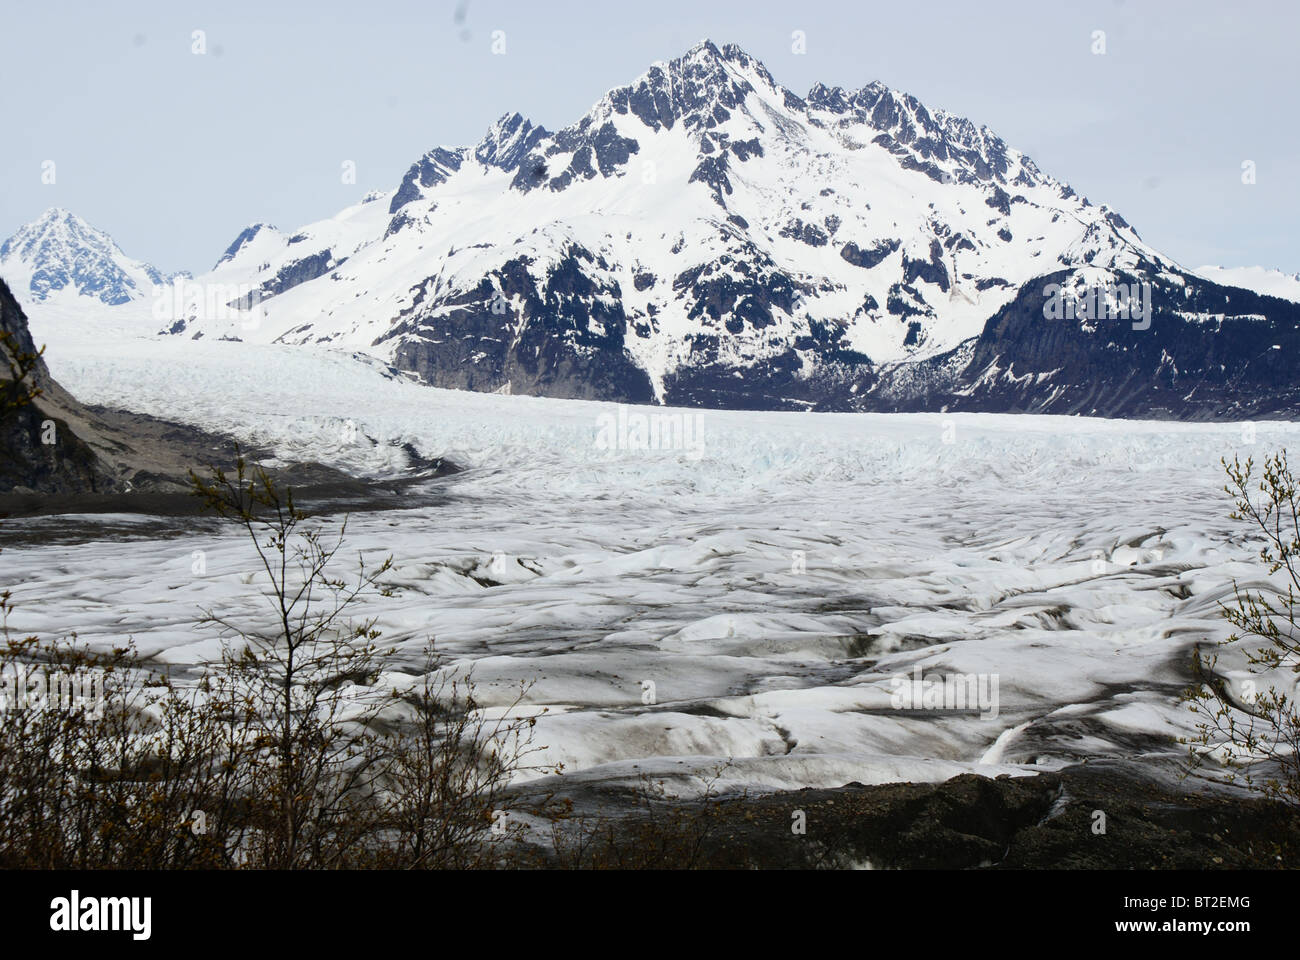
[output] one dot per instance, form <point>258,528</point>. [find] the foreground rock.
<point>1050,821</point>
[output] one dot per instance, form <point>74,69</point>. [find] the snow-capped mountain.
<point>706,237</point>
<point>60,252</point>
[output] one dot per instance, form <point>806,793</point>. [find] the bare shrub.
<point>286,754</point>
<point>1251,727</point>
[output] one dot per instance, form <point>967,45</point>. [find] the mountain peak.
<point>245,237</point>
<point>508,141</point>
<point>706,49</point>
<point>686,89</point>
<point>712,60</point>
<point>59,250</point>
<point>60,216</point>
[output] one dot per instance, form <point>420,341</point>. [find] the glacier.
<point>751,599</point>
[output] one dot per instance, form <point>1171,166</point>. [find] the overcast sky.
<point>173,153</point>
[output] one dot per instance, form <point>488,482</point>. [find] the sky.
<point>174,151</point>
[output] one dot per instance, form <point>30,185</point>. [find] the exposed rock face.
<point>429,171</point>
<point>67,465</point>
<point>1209,353</point>
<point>565,338</point>
<point>246,236</point>
<point>298,271</point>
<point>38,449</point>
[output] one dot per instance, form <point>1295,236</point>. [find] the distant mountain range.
<point>706,237</point>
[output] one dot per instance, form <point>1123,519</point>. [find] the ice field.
<point>751,594</point>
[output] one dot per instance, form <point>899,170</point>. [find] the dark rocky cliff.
<point>1209,353</point>
<point>39,451</point>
